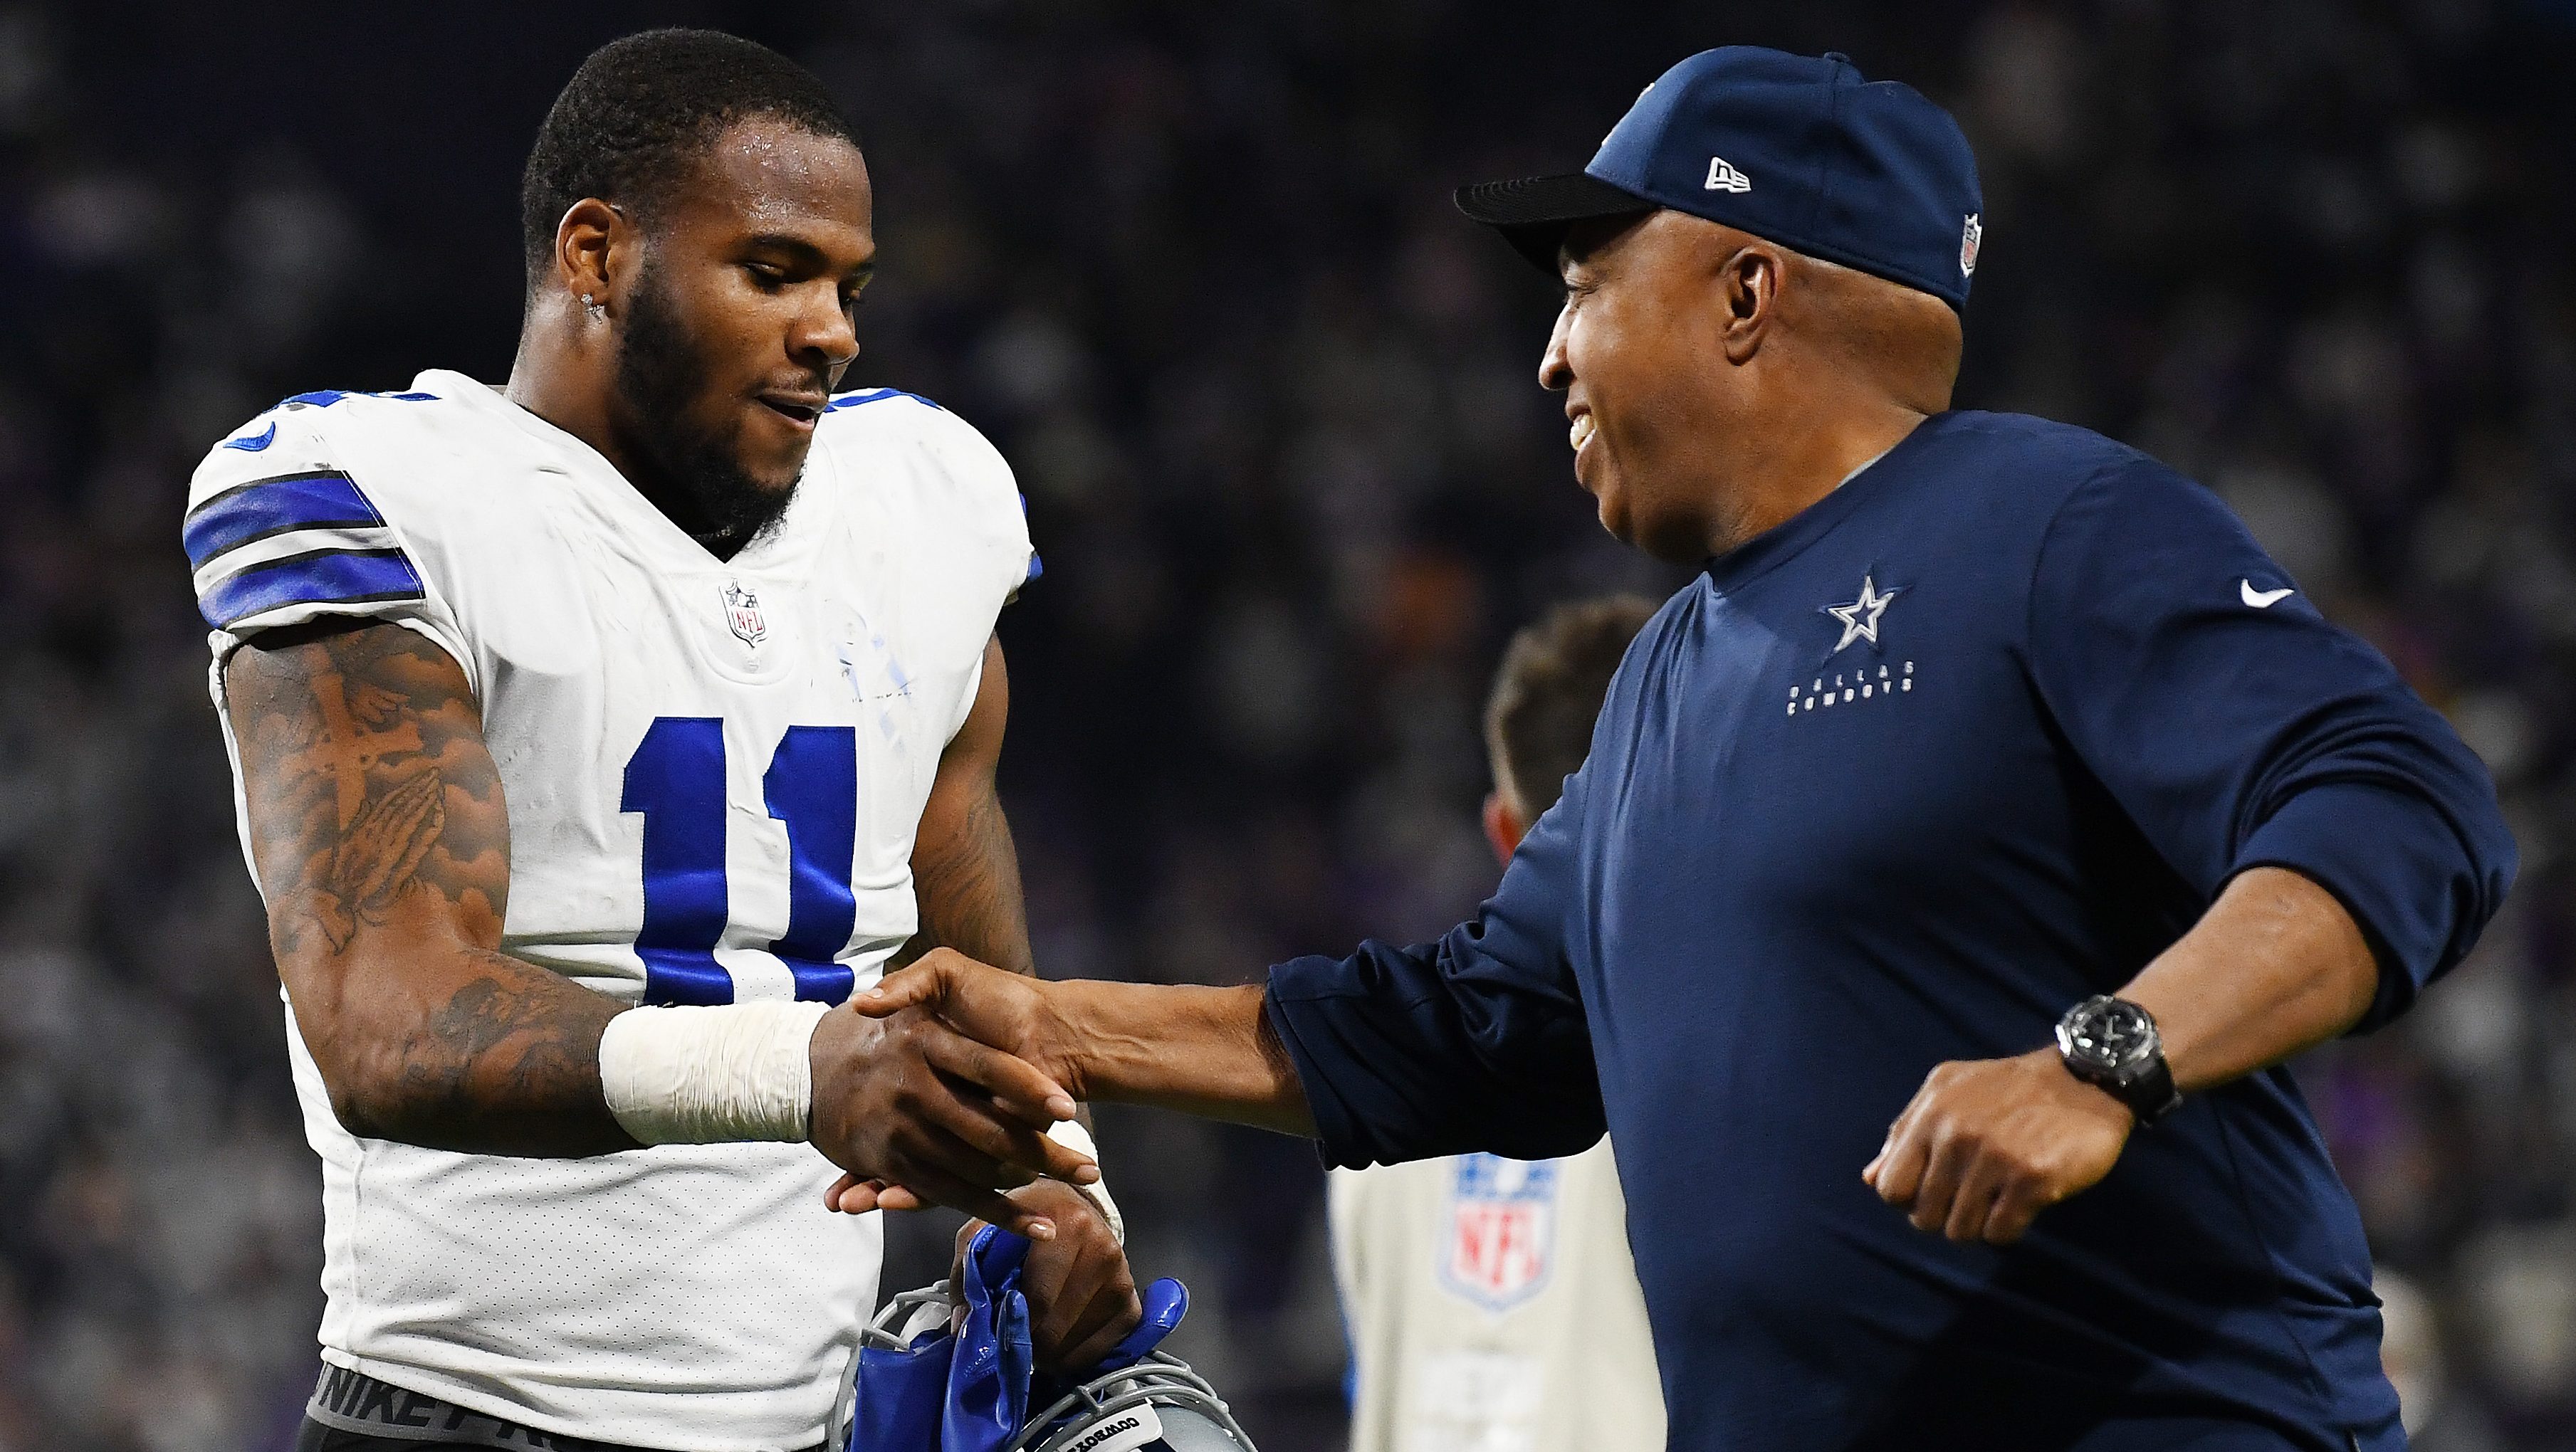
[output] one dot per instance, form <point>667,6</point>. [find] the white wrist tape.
<point>1071,1134</point>
<point>737,1071</point>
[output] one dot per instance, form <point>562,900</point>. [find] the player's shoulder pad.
<point>277,526</point>
<point>889,418</point>
<point>967,481</point>
<point>882,418</point>
<point>293,434</point>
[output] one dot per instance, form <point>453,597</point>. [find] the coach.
<point>1958,856</point>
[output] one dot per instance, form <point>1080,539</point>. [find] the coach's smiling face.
<point>1635,353</point>
<point>1717,383</point>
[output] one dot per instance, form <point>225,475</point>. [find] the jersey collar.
<point>787,543</point>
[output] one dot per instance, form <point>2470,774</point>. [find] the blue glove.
<point>901,1394</point>
<point>965,1390</point>
<point>988,1376</point>
<point>1166,1302</point>
<point>970,1390</point>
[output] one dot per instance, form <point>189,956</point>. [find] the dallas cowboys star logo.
<point>1860,617</point>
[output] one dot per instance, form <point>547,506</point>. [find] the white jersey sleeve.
<point>281,531</point>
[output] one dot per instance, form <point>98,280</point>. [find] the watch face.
<point>2114,1035</point>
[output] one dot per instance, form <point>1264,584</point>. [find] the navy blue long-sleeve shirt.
<point>1977,735</point>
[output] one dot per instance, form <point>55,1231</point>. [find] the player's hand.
<point>904,1100</point>
<point>1009,1011</point>
<point>1082,1297</point>
<point>1987,1144</point>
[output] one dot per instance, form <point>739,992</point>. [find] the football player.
<point>1492,1302</point>
<point>595,735</point>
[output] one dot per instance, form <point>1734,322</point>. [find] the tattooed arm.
<point>965,872</point>
<point>383,846</point>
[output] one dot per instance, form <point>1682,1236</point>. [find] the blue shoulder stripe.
<point>325,397</point>
<point>266,507</point>
<point>323,577</point>
<point>874,395</point>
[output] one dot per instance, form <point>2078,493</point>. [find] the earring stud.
<point>598,313</point>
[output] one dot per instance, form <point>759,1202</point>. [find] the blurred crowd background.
<point>1194,269</point>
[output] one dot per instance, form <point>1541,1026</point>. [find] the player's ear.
<point>589,232</point>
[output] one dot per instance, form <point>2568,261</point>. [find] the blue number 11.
<point>676,779</point>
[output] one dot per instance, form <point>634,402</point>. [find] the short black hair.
<point>636,115</point>
<point>1538,722</point>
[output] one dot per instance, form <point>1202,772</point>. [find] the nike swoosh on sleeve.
<point>2262,599</point>
<point>253,443</point>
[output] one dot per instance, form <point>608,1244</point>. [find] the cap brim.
<point>1533,212</point>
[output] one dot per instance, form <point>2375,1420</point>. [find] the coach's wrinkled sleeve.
<point>1474,1042</point>
<point>2240,729</point>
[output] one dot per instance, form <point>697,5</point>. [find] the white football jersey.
<point>714,771</point>
<point>1493,1307</point>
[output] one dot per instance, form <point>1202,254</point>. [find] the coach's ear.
<point>1503,827</point>
<point>585,240</point>
<point>1748,292</point>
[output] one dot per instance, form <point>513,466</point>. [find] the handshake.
<point>941,1088</point>
<point>939,1085</point>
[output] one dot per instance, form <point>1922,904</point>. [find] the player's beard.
<point>658,380</point>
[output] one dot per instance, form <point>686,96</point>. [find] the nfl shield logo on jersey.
<point>1971,237</point>
<point>742,613</point>
<point>1502,1230</point>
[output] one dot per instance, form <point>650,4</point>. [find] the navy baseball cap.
<point>1801,150</point>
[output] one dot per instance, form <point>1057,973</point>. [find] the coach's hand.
<point>1988,1144</point>
<point>906,1100</point>
<point>1009,1011</point>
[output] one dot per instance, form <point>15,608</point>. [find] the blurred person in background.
<point>1492,1303</point>
<point>595,736</point>
<point>2412,1349</point>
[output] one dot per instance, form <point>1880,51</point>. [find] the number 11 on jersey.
<point>676,780</point>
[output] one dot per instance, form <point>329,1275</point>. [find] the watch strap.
<point>2151,1095</point>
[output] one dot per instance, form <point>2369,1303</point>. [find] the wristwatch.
<point>2112,1044</point>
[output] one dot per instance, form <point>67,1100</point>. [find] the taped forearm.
<point>714,1075</point>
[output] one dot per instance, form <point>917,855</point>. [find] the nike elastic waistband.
<point>353,1401</point>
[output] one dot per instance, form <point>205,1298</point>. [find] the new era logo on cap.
<point>1869,174</point>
